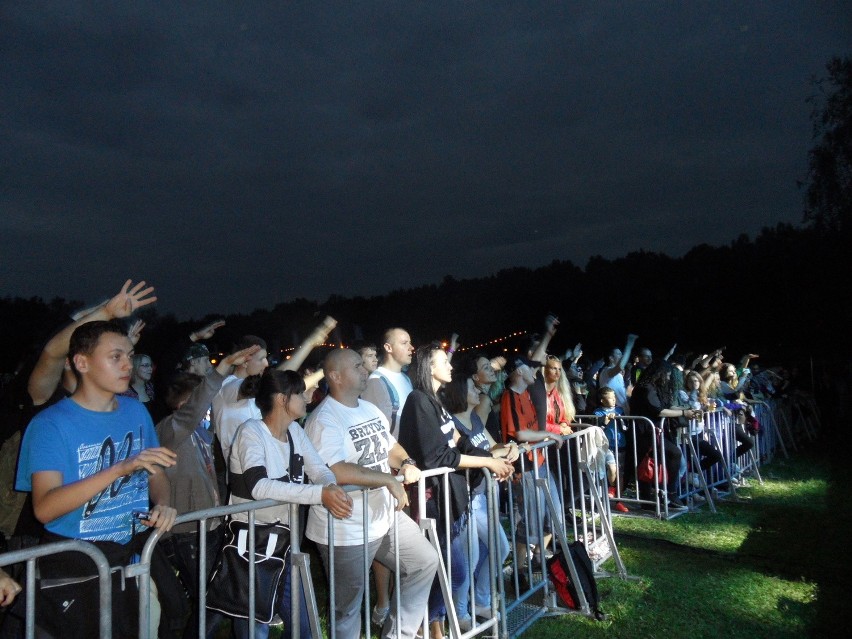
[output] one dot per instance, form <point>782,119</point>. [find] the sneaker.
<point>611,491</point>
<point>379,616</point>
<point>621,507</point>
<point>465,623</point>
<point>676,504</point>
<point>484,612</point>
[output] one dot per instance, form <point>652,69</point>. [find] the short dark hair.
<point>180,385</point>
<point>247,341</point>
<point>361,345</point>
<point>265,387</point>
<point>85,339</point>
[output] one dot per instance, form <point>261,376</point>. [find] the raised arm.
<point>316,338</point>
<point>628,350</point>
<point>48,370</point>
<point>550,324</point>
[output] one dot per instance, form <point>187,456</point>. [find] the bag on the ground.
<point>228,589</point>
<point>647,469</point>
<point>566,589</point>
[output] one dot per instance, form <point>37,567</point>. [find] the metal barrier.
<point>770,434</point>
<point>364,496</point>
<point>467,537</point>
<point>29,555</point>
<point>300,567</point>
<point>659,502</point>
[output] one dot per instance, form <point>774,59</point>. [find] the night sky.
<point>241,154</point>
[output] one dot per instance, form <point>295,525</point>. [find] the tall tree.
<point>828,199</point>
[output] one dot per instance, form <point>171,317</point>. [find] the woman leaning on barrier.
<point>653,397</point>
<point>428,433</point>
<point>260,469</point>
<point>461,397</point>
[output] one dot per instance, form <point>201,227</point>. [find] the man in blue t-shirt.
<point>93,459</point>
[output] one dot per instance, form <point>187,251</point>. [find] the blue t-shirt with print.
<point>78,443</point>
<point>610,429</point>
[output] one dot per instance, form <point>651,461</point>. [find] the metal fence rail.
<point>29,555</point>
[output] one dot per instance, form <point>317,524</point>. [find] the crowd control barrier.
<point>300,567</point>
<point>29,555</point>
<point>628,458</point>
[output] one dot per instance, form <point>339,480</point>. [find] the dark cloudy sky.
<point>240,154</point>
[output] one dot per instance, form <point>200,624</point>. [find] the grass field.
<point>771,565</point>
<point>767,566</point>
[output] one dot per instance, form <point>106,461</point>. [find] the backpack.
<point>560,576</point>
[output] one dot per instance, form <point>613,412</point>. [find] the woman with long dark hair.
<point>654,397</point>
<point>428,433</point>
<point>461,397</point>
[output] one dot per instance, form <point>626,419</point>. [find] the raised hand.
<point>135,331</point>
<point>236,359</point>
<point>128,299</point>
<point>206,332</point>
<point>322,331</point>
<point>550,323</point>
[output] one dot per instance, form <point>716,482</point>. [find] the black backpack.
<point>560,576</point>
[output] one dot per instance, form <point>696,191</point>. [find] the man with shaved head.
<point>353,438</point>
<point>388,386</point>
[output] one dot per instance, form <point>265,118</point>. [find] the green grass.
<point>751,570</point>
<point>765,566</point>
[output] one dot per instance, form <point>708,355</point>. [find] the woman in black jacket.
<point>428,433</point>
<point>654,397</point>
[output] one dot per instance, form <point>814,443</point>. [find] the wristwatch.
<point>408,461</point>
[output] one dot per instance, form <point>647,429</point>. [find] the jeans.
<point>535,510</point>
<point>477,556</point>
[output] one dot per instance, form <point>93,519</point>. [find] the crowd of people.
<point>115,444</point>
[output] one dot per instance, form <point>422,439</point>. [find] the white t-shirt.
<point>255,448</point>
<point>358,436</point>
<point>229,412</point>
<point>377,393</point>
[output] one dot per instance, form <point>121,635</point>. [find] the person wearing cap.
<point>519,422</point>
<point>196,360</point>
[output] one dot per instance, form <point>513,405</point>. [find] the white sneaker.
<point>465,623</point>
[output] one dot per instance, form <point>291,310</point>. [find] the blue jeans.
<point>535,510</point>
<point>477,556</point>
<point>240,627</point>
